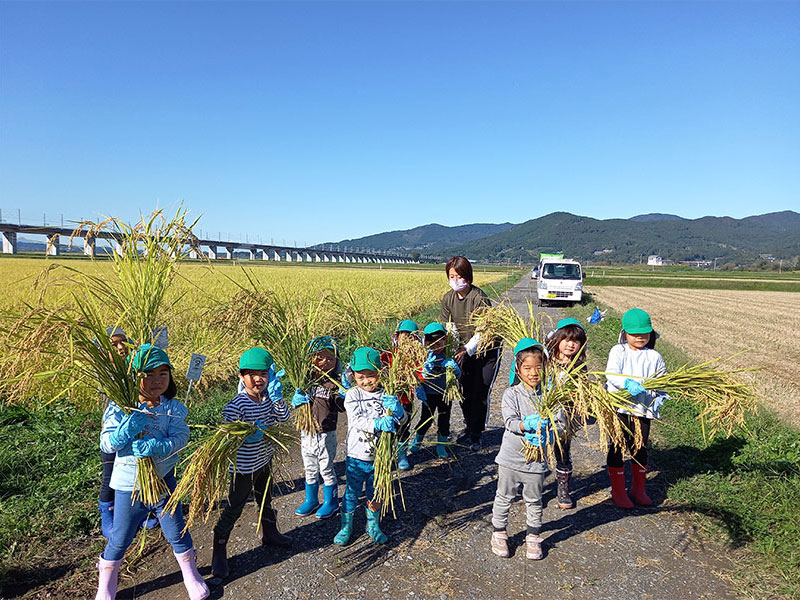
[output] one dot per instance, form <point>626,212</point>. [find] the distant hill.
<point>628,240</point>
<point>425,239</point>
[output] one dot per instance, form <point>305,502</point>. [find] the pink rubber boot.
<point>109,575</point>
<point>195,585</point>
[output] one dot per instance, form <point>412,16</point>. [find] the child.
<point>566,346</point>
<point>434,381</point>
<point>253,460</point>
<point>319,449</point>
<point>105,502</point>
<point>521,417</point>
<point>635,360</point>
<point>406,330</point>
<point>162,422</point>
<point>366,407</point>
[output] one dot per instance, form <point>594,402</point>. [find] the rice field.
<point>202,310</point>
<point>764,326</point>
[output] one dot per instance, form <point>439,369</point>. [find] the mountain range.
<point>613,240</point>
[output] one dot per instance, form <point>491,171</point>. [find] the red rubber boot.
<point>618,493</point>
<point>637,485</point>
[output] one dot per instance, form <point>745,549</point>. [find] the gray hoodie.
<point>518,401</point>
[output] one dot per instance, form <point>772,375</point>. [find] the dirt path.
<point>439,547</point>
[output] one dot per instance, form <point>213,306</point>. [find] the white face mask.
<point>459,285</point>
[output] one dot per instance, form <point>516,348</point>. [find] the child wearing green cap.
<point>319,449</point>
<point>251,472</point>
<point>157,429</point>
<point>434,381</point>
<point>407,330</point>
<point>566,345</point>
<point>521,407</point>
<point>635,359</point>
<point>368,415</point>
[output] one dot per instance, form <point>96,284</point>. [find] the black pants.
<point>614,458</point>
<point>405,426</point>
<point>562,456</point>
<point>435,402</point>
<point>477,376</point>
<point>241,485</point>
<point>106,492</point>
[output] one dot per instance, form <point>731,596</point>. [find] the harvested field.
<point>719,323</point>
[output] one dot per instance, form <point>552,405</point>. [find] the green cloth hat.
<point>408,326</point>
<point>255,359</point>
<point>527,343</point>
<point>365,359</point>
<point>568,322</point>
<point>434,328</point>
<point>636,321</point>
<point>149,357</point>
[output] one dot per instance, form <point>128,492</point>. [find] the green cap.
<point>365,359</point>
<point>433,328</point>
<point>636,321</point>
<point>255,359</point>
<point>149,357</point>
<point>527,343</point>
<point>568,322</point>
<point>408,326</point>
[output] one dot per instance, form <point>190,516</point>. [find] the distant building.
<point>655,260</point>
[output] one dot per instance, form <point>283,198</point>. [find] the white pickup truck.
<point>558,279</point>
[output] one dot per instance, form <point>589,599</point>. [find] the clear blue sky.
<point>324,121</point>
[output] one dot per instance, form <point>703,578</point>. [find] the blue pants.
<point>128,517</point>
<point>360,475</point>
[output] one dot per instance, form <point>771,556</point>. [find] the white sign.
<point>196,365</point>
<point>160,338</point>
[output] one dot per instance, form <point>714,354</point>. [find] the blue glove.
<point>534,439</point>
<point>274,386</point>
<point>634,387</point>
<point>421,395</point>
<point>347,381</point>
<point>299,398</point>
<point>149,446</point>
<point>392,404</point>
<point>130,426</point>
<point>532,422</point>
<point>388,424</point>
<point>449,363</point>
<point>257,435</point>
<point>430,363</point>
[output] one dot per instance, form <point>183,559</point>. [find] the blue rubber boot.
<point>331,503</point>
<point>343,537</point>
<point>374,528</point>
<point>441,447</point>
<point>417,443</point>
<point>311,502</point>
<point>106,518</point>
<point>402,457</point>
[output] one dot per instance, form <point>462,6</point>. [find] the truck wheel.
<point>539,302</point>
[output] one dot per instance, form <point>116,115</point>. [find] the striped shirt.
<point>252,456</point>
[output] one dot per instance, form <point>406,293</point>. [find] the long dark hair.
<point>569,332</point>
<point>172,389</point>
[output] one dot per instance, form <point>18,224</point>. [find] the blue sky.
<point>311,122</point>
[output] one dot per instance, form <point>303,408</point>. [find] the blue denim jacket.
<point>168,423</point>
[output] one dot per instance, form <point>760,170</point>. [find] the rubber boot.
<point>219,557</point>
<point>564,499</point>
<point>331,503</point>
<point>374,527</point>
<point>441,448</point>
<point>618,494</point>
<point>311,502</point>
<point>270,536</point>
<point>639,475</point>
<point>402,457</point>
<point>109,575</point>
<point>197,588</point>
<point>417,443</point>
<point>343,537</point>
<point>106,518</point>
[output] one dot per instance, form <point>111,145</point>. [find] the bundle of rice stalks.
<point>205,477</point>
<point>502,321</point>
<point>722,400</point>
<point>452,388</point>
<point>398,378</point>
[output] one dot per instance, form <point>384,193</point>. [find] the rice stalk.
<point>452,388</point>
<point>502,321</point>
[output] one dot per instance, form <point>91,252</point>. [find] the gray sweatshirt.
<point>518,401</point>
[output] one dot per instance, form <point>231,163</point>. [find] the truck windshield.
<point>561,271</point>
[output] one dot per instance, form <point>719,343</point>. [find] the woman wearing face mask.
<point>477,372</point>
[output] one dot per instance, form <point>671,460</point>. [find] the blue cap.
<point>408,326</point>
<point>433,328</point>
